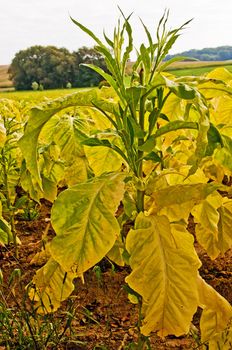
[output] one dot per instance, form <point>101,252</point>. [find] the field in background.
<point>5,83</point>
<point>197,67</point>
<point>37,96</point>
<point>177,68</point>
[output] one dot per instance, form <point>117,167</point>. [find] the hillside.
<point>220,53</point>
<point>5,83</point>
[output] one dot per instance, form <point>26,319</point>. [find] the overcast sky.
<point>24,23</point>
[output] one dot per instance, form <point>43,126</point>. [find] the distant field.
<point>5,83</point>
<point>177,68</point>
<point>37,96</point>
<point>198,67</point>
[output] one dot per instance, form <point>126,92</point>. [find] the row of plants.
<point>160,150</point>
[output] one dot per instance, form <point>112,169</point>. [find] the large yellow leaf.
<point>174,108</point>
<point>214,220</point>
<point>216,315</point>
<point>164,272</point>
<point>207,217</point>
<point>222,110</point>
<point>221,74</point>
<point>176,201</point>
<point>84,221</point>
<point>53,285</point>
<point>103,159</point>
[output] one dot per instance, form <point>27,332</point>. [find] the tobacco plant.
<point>142,158</point>
<point>11,124</point>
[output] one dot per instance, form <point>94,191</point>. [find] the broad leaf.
<point>164,272</point>
<point>214,220</point>
<point>116,253</point>
<point>53,285</point>
<point>224,154</point>
<point>103,159</point>
<point>39,117</point>
<point>179,194</point>
<point>217,312</point>
<point>84,221</point>
<point>206,217</point>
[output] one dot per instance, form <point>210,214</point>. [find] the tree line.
<point>49,67</point>
<point>221,53</point>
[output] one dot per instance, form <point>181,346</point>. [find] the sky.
<point>24,23</point>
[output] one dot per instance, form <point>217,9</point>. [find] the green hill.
<point>220,53</point>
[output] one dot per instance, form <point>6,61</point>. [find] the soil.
<point>102,316</point>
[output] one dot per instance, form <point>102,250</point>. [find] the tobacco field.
<point>116,207</point>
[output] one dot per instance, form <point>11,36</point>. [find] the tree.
<point>50,66</point>
<point>84,76</point>
<point>54,67</point>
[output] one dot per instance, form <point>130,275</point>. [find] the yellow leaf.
<point>214,220</point>
<point>103,159</point>
<point>216,314</point>
<point>174,108</point>
<point>221,74</point>
<point>53,285</point>
<point>164,272</point>
<point>180,194</point>
<point>116,253</point>
<point>84,221</point>
<point>222,340</point>
<point>224,225</point>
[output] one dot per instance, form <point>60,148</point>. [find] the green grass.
<point>196,70</point>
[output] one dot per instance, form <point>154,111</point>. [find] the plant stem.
<point>141,193</point>
<point>8,202</point>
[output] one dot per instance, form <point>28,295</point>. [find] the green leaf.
<point>83,218</point>
<point>105,75</point>
<point>133,96</point>
<point>164,272</point>
<point>181,90</point>
<point>153,156</point>
<point>214,140</point>
<point>163,66</point>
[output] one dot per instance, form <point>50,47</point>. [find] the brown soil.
<point>104,317</point>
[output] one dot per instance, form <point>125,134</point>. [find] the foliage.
<point>83,76</point>
<point>51,68</point>
<point>144,156</point>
